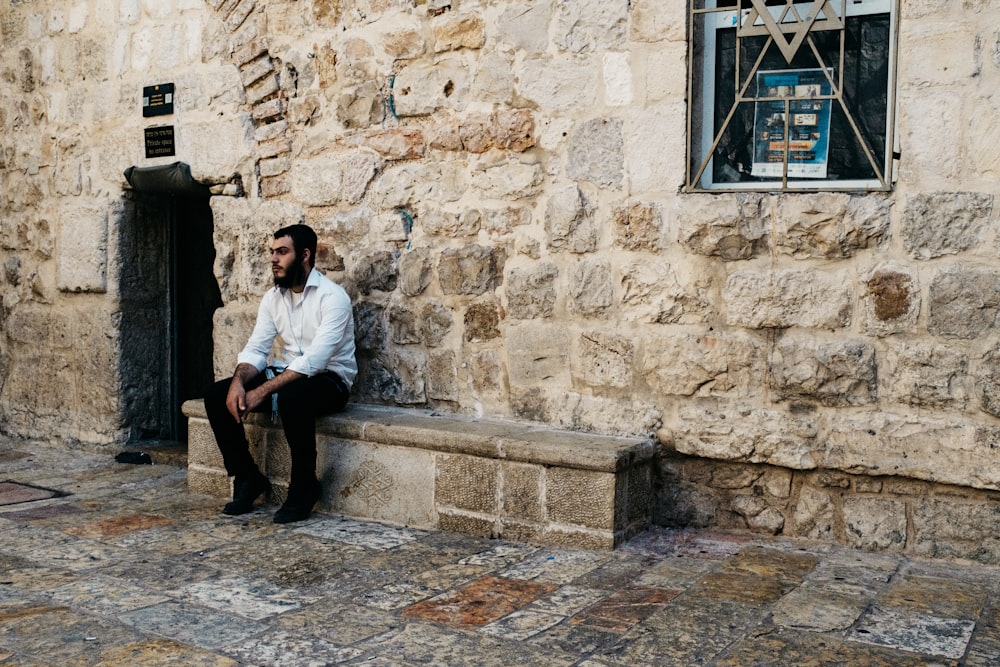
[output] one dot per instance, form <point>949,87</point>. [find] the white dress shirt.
<point>316,330</point>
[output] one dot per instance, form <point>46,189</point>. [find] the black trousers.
<point>299,403</point>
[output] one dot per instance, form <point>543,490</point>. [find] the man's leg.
<point>232,441</point>
<point>299,404</point>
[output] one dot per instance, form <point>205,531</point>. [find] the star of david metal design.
<point>759,21</point>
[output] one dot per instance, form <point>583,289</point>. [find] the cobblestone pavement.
<point>129,568</point>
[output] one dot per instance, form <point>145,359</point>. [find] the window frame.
<point>703,138</point>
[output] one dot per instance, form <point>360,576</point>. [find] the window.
<point>791,94</point>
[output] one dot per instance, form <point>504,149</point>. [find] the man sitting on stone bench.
<point>312,377</point>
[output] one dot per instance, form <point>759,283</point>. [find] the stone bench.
<point>415,468</point>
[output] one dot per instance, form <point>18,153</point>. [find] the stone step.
<point>451,472</point>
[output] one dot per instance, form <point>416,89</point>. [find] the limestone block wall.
<point>498,185</point>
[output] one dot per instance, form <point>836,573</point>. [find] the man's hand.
<point>236,399</point>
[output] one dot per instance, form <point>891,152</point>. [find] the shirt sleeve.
<point>258,347</point>
<point>335,313</point>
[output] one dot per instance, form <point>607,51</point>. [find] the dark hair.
<point>303,237</point>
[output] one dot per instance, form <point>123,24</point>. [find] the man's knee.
<point>216,393</point>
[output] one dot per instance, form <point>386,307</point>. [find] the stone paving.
<point>129,568</point>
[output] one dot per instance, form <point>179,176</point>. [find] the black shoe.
<point>245,491</point>
<point>299,505</point>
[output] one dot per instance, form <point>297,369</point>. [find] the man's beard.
<point>294,276</point>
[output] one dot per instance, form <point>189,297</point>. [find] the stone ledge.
<point>492,478</point>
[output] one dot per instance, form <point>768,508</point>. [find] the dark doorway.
<point>168,294</point>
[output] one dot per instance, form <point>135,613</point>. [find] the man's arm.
<point>255,397</point>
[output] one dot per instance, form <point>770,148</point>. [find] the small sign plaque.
<point>160,141</point>
<point>158,100</point>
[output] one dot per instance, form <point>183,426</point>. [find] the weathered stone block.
<point>987,381</point>
<point>777,299</point>
<point>420,182</point>
<point>394,484</point>
<point>376,272</point>
<point>728,227</point>
<point>202,448</point>
<point>924,374</point>
<point>467,483</point>
<point>369,326</point>
<point>403,323</point>
<point>586,26</point>
<point>875,523</point>
<point>685,364</point>
<point>332,179</point>
<point>604,360</point>
<point>422,88</point>
<point>963,302</point>
<point>537,353</point>
<point>836,373</point>
<point>415,271</point>
<point>83,249</point>
<point>591,291</point>
<point>829,226</point>
<point>482,322</point>
<point>451,225</point>
<point>654,21</point>
<point>521,495</point>
<point>748,435</point>
<point>880,443</point>
<point>944,528</point>
<point>653,292</point>
<point>596,153</point>
<point>435,323</point>
<point>558,83</point>
<point>472,269</point>
<point>458,32</point>
<point>814,514</point>
<point>209,481</point>
<point>638,226</point>
<point>526,27</point>
<point>569,222</point>
<point>505,178</point>
<point>945,223</point>
<point>457,522</point>
<point>442,376</point>
<point>890,301</point>
<point>580,497</point>
<point>531,291</point>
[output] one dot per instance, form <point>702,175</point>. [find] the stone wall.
<point>498,185</point>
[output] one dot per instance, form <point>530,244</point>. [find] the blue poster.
<point>790,118</point>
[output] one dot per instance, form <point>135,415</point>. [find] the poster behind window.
<point>808,123</point>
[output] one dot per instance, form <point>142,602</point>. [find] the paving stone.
<point>691,630</point>
<point>368,535</point>
<point>479,603</point>
<point>805,649</point>
<point>159,652</point>
<point>342,623</point>
<point>625,608</point>
<point>818,609</point>
<point>555,567</point>
<point>521,625</point>
<point>194,625</point>
<point>120,525</point>
<point>104,595</point>
<point>284,648</point>
<point>984,649</point>
<point>425,644</point>
<point>915,632</point>
<point>251,598</point>
<point>946,598</point>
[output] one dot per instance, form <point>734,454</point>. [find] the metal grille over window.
<point>787,95</point>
